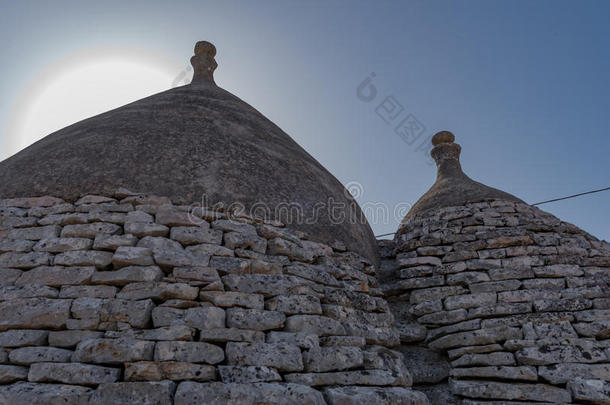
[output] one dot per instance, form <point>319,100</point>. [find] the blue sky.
<point>522,84</point>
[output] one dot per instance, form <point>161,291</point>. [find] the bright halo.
<point>84,86</point>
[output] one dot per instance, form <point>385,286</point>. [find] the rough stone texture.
<point>73,373</point>
<point>137,393</point>
<point>507,294</point>
<point>190,393</point>
<point>243,150</point>
<point>44,394</point>
<point>282,356</point>
<point>83,334</point>
<point>381,396</point>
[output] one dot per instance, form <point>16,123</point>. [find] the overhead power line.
<point>572,196</point>
<point>538,203</point>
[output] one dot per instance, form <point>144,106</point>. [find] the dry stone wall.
<point>135,300</point>
<point>507,301</point>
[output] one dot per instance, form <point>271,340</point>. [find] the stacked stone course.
<point>130,299</point>
<point>509,302</point>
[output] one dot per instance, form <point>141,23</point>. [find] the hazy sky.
<point>522,84</point>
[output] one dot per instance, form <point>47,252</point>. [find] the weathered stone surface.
<point>56,276</point>
<point>166,316</point>
<point>135,313</point>
<point>234,240</point>
<point>73,373</point>
<point>563,373</point>
<point>216,393</point>
<point>98,259</point>
<point>384,336</point>
<point>60,245</point>
<point>158,244</point>
<point>374,395</point>
<point>284,357</point>
<point>556,354</point>
<point>558,270</point>
<point>248,374</point>
<point>303,340</point>
<point>113,351</point>
<point>425,365</point>
<point>279,246</point>
<point>593,391</point>
<point>523,373</point>
<point>9,276</point>
<point>266,285</point>
<point>9,374</point>
<point>512,391</point>
<point>35,233</point>
<point>29,291</point>
<point>574,304</point>
<point>484,359</point>
<point>295,304</point>
<point>127,275</point>
<point>190,352</point>
<point>70,338</point>
<point>91,291</point>
<point>167,215</point>
<point>314,324</point>
<point>34,313</point>
<point>230,265</point>
<point>142,229</point>
<point>89,230</point>
<point>321,359</point>
<point>355,377</point>
<point>476,337</point>
<point>500,309</point>
<point>470,300</point>
<point>210,249</point>
<point>196,235</point>
<point>417,261</point>
<point>315,273</point>
<point>435,293</point>
<point>254,319</point>
<point>175,332</point>
<point>228,299</point>
<point>205,318</point>
<point>113,242</point>
<point>158,291</point>
<point>444,317</point>
<point>495,286</point>
<point>132,256</point>
<point>231,335</point>
<point>168,370</point>
<point>20,338</point>
<point>29,355</point>
<point>168,259</point>
<point>25,260</point>
<point>44,394</point>
<point>135,393</point>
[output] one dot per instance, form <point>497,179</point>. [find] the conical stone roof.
<point>192,143</point>
<point>453,187</point>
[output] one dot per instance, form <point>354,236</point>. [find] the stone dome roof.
<point>191,143</point>
<point>453,187</point>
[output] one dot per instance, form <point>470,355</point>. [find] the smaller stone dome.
<point>453,187</point>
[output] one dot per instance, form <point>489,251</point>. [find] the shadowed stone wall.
<point>499,302</point>
<point>135,300</point>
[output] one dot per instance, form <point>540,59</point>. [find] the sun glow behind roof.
<point>82,86</point>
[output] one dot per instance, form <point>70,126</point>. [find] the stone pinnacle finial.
<point>203,62</point>
<point>442,137</point>
<point>446,154</point>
